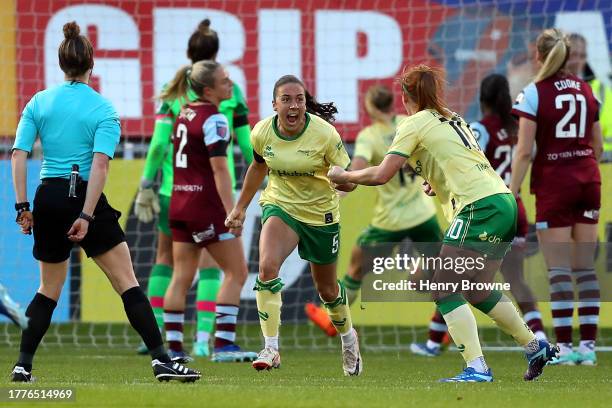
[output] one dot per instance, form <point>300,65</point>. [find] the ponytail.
<point>195,77</point>
<point>424,85</point>
<point>495,95</point>
<point>553,48</point>
<point>178,86</point>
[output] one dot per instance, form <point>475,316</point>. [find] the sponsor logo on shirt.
<point>306,152</point>
<point>339,146</point>
<point>329,218</point>
<point>288,173</point>
<point>188,114</point>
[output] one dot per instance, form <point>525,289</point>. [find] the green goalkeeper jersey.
<point>160,150</point>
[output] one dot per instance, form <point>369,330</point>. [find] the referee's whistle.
<point>74,176</point>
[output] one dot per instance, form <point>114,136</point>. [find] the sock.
<point>39,313</point>
<point>588,306</point>
<point>586,346</point>
<point>561,303</point>
<point>533,318</point>
<point>499,308</point>
<point>461,325</point>
<point>479,364</point>
<point>208,287</point>
<point>269,304</point>
<point>339,312</point>
<point>159,280</point>
<point>140,314</point>
<point>349,338</point>
<point>564,348</point>
<point>437,330</point>
<point>225,333</point>
<point>271,342</point>
<point>352,287</point>
<point>173,323</point>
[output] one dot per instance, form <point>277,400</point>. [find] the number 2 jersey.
<point>445,153</point>
<point>564,109</point>
<point>200,132</point>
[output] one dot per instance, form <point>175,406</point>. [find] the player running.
<point>202,197</point>
<point>402,209</point>
<point>296,147</point>
<point>12,310</point>
<point>203,45</point>
<point>439,145</point>
<point>559,113</point>
<point>496,135</point>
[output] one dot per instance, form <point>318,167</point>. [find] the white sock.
<point>478,364</point>
<point>540,335</point>
<point>203,337</point>
<point>586,346</point>
<point>432,344</point>
<point>271,342</point>
<point>564,348</point>
<point>349,338</point>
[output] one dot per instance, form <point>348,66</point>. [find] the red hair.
<point>424,85</point>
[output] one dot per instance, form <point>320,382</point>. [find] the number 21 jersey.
<point>564,109</point>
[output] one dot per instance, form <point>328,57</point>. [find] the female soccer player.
<point>77,127</point>
<point>496,135</point>
<point>402,209</point>
<point>202,197</point>
<point>297,146</point>
<point>440,147</point>
<point>203,45</point>
<point>560,115</point>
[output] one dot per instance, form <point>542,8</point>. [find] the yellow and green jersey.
<point>160,149</point>
<point>445,153</point>
<point>400,203</point>
<point>297,175</point>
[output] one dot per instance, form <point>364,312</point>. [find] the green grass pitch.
<point>310,378</point>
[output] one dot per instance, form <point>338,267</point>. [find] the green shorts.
<point>428,231</point>
<point>487,226</point>
<point>318,244</point>
<point>163,223</point>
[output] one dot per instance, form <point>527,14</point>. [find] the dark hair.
<point>495,95</point>
<point>381,97</point>
<point>203,43</point>
<point>197,77</point>
<point>75,52</point>
<point>325,111</point>
<point>424,85</point>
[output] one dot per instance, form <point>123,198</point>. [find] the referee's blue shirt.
<point>73,122</point>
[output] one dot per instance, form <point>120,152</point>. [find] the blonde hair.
<point>553,47</point>
<point>196,76</point>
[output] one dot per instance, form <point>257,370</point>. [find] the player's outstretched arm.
<point>522,156</point>
<point>371,176</point>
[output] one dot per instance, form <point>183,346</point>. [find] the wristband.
<point>87,217</point>
<point>21,208</point>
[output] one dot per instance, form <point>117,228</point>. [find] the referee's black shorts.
<point>54,213</point>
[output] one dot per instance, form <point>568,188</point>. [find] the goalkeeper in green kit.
<point>203,45</point>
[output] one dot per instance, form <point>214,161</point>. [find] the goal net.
<point>338,48</point>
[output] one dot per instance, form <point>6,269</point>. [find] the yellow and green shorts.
<point>487,226</point>
<point>318,244</point>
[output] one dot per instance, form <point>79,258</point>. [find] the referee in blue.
<point>79,131</point>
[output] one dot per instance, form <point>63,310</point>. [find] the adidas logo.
<point>263,315</point>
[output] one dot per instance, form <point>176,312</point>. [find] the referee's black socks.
<point>39,314</point>
<point>141,317</point>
